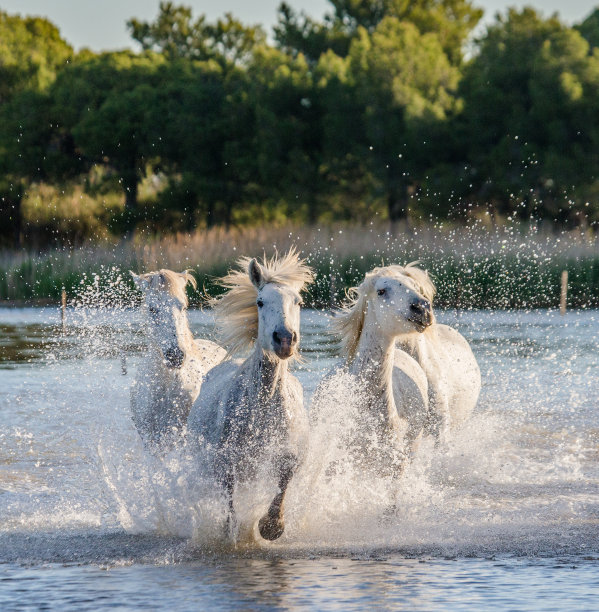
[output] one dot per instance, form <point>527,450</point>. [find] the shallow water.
<point>506,515</point>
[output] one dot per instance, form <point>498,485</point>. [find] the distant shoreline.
<point>507,267</point>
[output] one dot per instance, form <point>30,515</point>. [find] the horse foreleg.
<point>437,421</point>
<point>228,481</point>
<point>272,525</point>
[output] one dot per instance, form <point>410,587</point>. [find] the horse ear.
<point>256,274</point>
<point>140,281</point>
<point>188,277</point>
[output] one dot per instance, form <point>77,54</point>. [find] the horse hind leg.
<point>272,525</point>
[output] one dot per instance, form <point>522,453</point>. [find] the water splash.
<point>520,477</point>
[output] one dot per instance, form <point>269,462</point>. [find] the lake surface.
<point>506,515</point>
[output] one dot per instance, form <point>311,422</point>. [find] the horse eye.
<point>260,303</point>
<point>381,292</point>
<point>153,310</point>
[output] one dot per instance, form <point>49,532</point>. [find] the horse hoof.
<point>270,529</point>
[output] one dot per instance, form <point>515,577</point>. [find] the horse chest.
<point>258,426</point>
<point>250,421</point>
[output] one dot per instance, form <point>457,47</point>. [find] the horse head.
<point>399,301</point>
<point>262,305</point>
<point>165,305</point>
<point>393,300</point>
<point>278,313</point>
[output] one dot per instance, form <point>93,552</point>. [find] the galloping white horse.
<point>252,410</point>
<point>451,369</point>
<point>169,379</point>
<point>395,390</point>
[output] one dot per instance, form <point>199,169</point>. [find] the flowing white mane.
<point>170,282</point>
<point>349,321</point>
<point>236,310</point>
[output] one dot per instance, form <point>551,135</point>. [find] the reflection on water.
<point>87,519</point>
<point>21,343</point>
<point>385,583</point>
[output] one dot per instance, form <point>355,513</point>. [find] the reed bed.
<point>476,266</point>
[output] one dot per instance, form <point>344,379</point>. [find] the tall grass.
<point>473,267</point>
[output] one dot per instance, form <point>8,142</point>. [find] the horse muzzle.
<point>284,343</point>
<point>421,314</point>
<point>174,357</point>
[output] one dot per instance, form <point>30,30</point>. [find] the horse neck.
<point>185,341</point>
<point>185,336</point>
<point>418,345</point>
<point>268,373</point>
<point>373,364</point>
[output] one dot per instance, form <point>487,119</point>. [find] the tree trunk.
<point>18,221</point>
<point>11,214</point>
<point>228,213</point>
<point>210,215</point>
<point>312,209</point>
<point>397,205</point>
<point>131,191</point>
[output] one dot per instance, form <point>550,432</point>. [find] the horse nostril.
<point>282,337</point>
<point>417,308</point>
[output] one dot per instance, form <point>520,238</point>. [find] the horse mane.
<point>236,310</point>
<point>349,320</point>
<point>169,281</point>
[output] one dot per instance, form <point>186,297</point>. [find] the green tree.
<point>176,34</point>
<point>451,20</point>
<point>206,122</point>
<point>345,150</point>
<point>406,85</point>
<point>288,132</point>
<point>589,28</point>
<point>104,104</point>
<point>119,134</point>
<point>530,121</point>
<point>31,53</point>
<point>296,33</point>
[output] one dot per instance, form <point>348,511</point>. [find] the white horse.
<point>394,389</point>
<point>451,369</point>
<point>251,411</point>
<point>168,380</point>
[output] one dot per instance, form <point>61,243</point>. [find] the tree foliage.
<point>176,34</point>
<point>31,53</point>
<point>451,20</point>
<point>530,115</point>
<point>589,28</point>
<point>374,110</point>
<point>405,83</point>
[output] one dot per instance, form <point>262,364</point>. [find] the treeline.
<point>385,108</point>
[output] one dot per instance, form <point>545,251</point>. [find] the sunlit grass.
<point>473,267</point>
